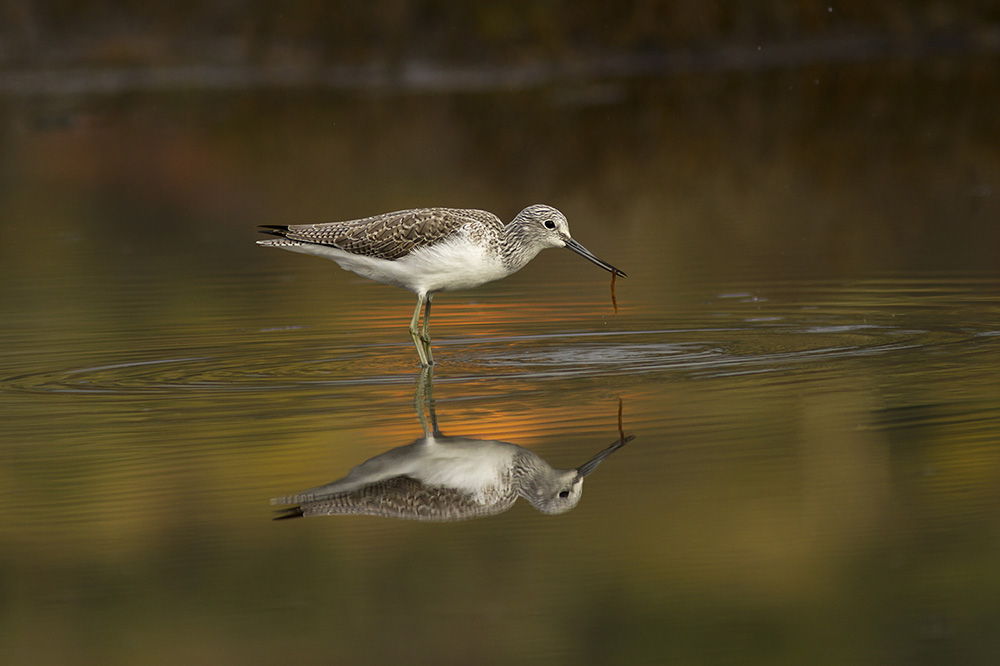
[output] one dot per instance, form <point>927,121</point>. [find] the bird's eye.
<point>564,494</point>
<point>550,224</point>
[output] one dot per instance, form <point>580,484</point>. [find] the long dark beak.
<point>589,466</point>
<point>587,254</point>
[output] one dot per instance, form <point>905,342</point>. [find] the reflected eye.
<point>564,494</point>
<point>549,224</point>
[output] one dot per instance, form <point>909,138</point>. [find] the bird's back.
<point>389,235</point>
<point>435,478</point>
<point>403,497</point>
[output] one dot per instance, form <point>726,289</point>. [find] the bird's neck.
<point>517,247</point>
<point>528,471</point>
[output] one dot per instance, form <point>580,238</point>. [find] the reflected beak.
<point>589,466</point>
<point>587,254</point>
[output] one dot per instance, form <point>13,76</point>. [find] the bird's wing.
<point>400,497</point>
<point>399,461</point>
<point>390,235</point>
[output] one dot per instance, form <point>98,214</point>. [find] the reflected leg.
<point>423,402</point>
<point>429,385</point>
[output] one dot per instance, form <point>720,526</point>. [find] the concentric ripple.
<point>770,328</point>
<point>295,363</point>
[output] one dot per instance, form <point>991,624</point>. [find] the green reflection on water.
<point>814,474</point>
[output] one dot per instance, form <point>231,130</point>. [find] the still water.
<point>807,352</point>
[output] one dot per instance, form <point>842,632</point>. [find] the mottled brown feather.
<point>392,235</point>
<point>404,497</point>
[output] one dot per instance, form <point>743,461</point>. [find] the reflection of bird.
<point>427,250</point>
<point>438,478</point>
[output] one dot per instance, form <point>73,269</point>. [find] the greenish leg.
<point>415,332</point>
<point>425,333</point>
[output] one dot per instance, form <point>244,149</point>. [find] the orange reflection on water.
<point>501,317</point>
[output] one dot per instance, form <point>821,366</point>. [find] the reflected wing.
<point>400,497</point>
<point>390,235</point>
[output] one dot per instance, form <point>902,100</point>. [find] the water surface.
<point>806,350</point>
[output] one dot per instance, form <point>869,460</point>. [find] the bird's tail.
<point>274,229</point>
<point>290,512</point>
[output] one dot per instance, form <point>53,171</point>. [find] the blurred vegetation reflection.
<point>805,196</point>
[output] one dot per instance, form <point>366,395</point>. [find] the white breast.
<point>472,466</point>
<point>450,265</point>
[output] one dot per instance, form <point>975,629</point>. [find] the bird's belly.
<point>451,266</point>
<point>446,266</point>
<point>474,469</point>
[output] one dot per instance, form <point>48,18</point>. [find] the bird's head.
<point>544,226</point>
<point>560,490</point>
